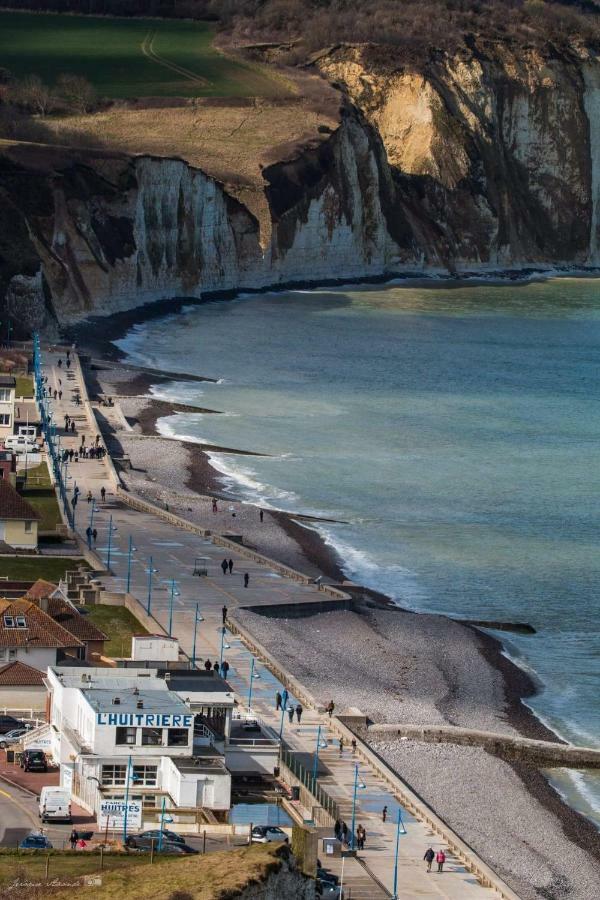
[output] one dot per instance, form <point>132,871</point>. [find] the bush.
<point>77,93</point>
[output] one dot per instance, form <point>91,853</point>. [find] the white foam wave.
<point>236,476</point>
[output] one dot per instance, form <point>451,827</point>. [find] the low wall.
<point>544,753</point>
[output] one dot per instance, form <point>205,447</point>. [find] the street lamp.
<point>224,646</point>
<point>93,510</point>
<point>399,825</point>
<point>357,784</point>
<point>163,819</point>
<point>197,618</point>
<point>321,745</point>
<point>111,528</point>
<point>253,675</point>
<point>134,778</point>
<point>174,594</point>
<point>151,571</point>
<point>132,549</point>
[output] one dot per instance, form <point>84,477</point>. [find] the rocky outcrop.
<point>482,162</point>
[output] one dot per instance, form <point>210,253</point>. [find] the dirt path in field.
<point>151,54</point>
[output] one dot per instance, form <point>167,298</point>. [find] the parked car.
<point>34,761</point>
<point>9,723</point>
<point>144,844</point>
<point>54,804</point>
<point>12,737</point>
<point>154,834</point>
<point>324,875</point>
<point>264,834</point>
<point>35,841</point>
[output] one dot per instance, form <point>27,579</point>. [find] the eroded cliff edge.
<point>486,161</point>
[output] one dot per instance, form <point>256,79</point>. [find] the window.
<point>9,622</point>
<point>5,394</point>
<point>151,737</point>
<point>148,801</point>
<point>5,419</point>
<point>28,527</point>
<point>12,654</point>
<point>178,737</point>
<point>20,622</point>
<point>144,775</point>
<point>126,736</point>
<point>113,775</point>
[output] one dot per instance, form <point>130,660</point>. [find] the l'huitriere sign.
<point>145,720</point>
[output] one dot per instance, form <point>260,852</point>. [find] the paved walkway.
<point>173,552</point>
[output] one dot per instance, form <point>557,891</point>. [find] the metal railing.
<point>311,784</point>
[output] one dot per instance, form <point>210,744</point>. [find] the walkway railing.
<point>311,784</point>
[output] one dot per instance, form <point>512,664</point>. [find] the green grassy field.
<point>29,568</point>
<point>119,624</point>
<point>126,58</point>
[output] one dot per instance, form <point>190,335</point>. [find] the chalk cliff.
<point>489,160</point>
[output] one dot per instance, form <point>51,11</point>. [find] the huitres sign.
<point>145,720</point>
<point>112,813</point>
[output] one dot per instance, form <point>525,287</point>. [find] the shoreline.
<point>204,480</point>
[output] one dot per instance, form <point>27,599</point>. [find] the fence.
<point>311,786</point>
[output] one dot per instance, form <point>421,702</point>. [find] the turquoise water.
<point>455,429</point>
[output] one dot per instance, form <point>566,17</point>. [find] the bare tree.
<point>77,92</point>
<point>32,94</point>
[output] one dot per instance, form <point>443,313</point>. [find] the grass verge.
<point>119,624</point>
<point>30,568</point>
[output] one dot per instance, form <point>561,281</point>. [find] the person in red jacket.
<point>440,858</point>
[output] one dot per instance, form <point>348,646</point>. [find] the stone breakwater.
<point>482,163</point>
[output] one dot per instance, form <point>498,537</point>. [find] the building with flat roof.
<point>127,731</point>
<point>7,405</point>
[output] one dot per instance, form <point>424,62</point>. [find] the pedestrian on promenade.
<point>299,712</point>
<point>76,489</point>
<point>83,438</point>
<point>73,838</point>
<point>216,666</point>
<point>291,714</point>
<point>344,833</point>
<point>224,668</point>
<point>97,439</point>
<point>71,454</point>
<point>55,393</point>
<point>60,363</point>
<point>207,665</point>
<point>246,579</point>
<point>337,829</point>
<point>68,354</point>
<point>89,497</point>
<point>224,566</point>
<point>74,500</point>
<point>284,698</point>
<point>262,515</point>
<point>361,836</point>
<point>330,708</point>
<point>230,564</point>
<point>60,394</point>
<point>103,493</point>
<point>67,420</point>
<point>277,701</point>
<point>429,857</point>
<point>341,745</point>
<point>214,505</point>
<point>68,363</point>
<point>384,813</point>
<point>88,534</point>
<point>353,745</point>
<point>95,535</point>
<point>440,859</point>
<point>224,614</point>
<point>72,426</point>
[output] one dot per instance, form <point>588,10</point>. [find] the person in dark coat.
<point>208,665</point>
<point>344,832</point>
<point>73,838</point>
<point>277,701</point>
<point>230,564</point>
<point>224,566</point>
<point>224,668</point>
<point>224,613</point>
<point>337,829</point>
<point>291,714</point>
<point>429,857</point>
<point>246,579</point>
<point>299,712</point>
<point>216,666</point>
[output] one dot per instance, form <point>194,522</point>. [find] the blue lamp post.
<point>253,675</point>
<point>129,777</point>
<point>151,571</point>
<point>357,784</point>
<point>283,706</point>
<point>197,618</point>
<point>174,594</point>
<point>224,646</point>
<point>163,819</point>
<point>111,528</point>
<point>321,745</point>
<point>400,829</point>
<point>132,550</point>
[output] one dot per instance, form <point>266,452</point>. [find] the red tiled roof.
<point>63,613</point>
<point>41,588</point>
<point>12,505</point>
<point>41,630</point>
<point>18,674</point>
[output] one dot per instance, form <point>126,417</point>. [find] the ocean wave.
<point>235,476</point>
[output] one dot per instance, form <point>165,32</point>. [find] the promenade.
<point>160,575</point>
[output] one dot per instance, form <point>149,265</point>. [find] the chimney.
<point>140,704</point>
<point>116,701</point>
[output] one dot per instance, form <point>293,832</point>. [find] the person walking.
<point>95,535</point>
<point>230,565</point>
<point>97,439</point>
<point>72,426</point>
<point>215,508</point>
<point>353,745</point>
<point>246,579</point>
<point>337,829</point>
<point>68,363</point>
<point>60,363</point>
<point>89,497</point>
<point>67,420</point>
<point>224,614</point>
<point>73,838</point>
<point>361,836</point>
<point>88,534</point>
<point>207,665</point>
<point>74,499</point>
<point>224,669</point>
<point>440,859</point>
<point>278,699</point>
<point>224,566</point>
<point>103,493</point>
<point>341,745</point>
<point>55,393</point>
<point>330,708</point>
<point>261,514</point>
<point>290,713</point>
<point>216,666</point>
<point>429,857</point>
<point>344,833</point>
<point>384,813</point>
<point>59,394</point>
<point>299,712</point>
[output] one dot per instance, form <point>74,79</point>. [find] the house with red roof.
<point>22,688</point>
<point>18,520</point>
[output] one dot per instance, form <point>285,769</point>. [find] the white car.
<point>264,834</point>
<point>20,444</point>
<point>12,737</point>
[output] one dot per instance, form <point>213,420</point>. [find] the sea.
<point>449,431</point>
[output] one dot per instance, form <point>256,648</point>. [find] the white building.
<point>7,405</point>
<point>109,727</point>
<point>154,647</point>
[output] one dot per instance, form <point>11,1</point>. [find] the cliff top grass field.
<point>129,58</point>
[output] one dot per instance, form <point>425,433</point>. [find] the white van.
<point>55,805</point>
<point>28,431</point>
<point>18,443</point>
